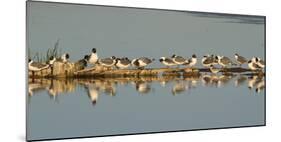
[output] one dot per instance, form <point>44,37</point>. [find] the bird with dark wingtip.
<point>168,62</point>
<point>122,63</point>
<point>179,60</point>
<point>207,61</point>
<point>240,59</point>
<point>224,61</point>
<point>141,62</point>
<point>107,62</point>
<point>81,64</point>
<point>36,66</point>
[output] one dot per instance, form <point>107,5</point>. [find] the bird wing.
<point>125,62</point>
<point>145,60</point>
<point>241,59</point>
<point>226,60</point>
<point>179,59</point>
<point>106,61</point>
<point>39,65</point>
<point>168,60</point>
<point>208,61</point>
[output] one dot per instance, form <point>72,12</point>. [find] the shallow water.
<point>93,107</point>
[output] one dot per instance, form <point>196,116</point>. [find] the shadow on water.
<point>142,85</point>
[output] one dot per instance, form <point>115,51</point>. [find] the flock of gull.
<point>213,62</point>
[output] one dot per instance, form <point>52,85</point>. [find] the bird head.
<point>193,56</point>
<point>113,57</point>
<point>66,56</point>
<point>86,57</point>
<point>94,50</point>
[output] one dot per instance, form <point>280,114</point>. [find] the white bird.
<point>36,66</point>
<point>141,62</point>
<point>82,63</point>
<point>51,61</point>
<point>167,61</point>
<point>192,61</point>
<point>123,63</point>
<point>207,61</point>
<point>64,58</point>
<point>93,59</point>
<point>107,62</point>
<point>260,62</point>
<point>224,61</point>
<point>253,65</point>
<point>179,60</point>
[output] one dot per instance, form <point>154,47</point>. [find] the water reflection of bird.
<point>260,86</point>
<point>142,87</point>
<point>108,87</point>
<point>206,80</point>
<point>92,92</point>
<point>193,83</point>
<point>256,82</point>
<point>224,79</point>
<point>215,81</point>
<point>252,80</point>
<point>34,87</point>
<point>53,92</point>
<point>179,87</point>
<point>240,80</point>
<point>213,69</point>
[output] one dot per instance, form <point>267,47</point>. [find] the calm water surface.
<point>93,107</point>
